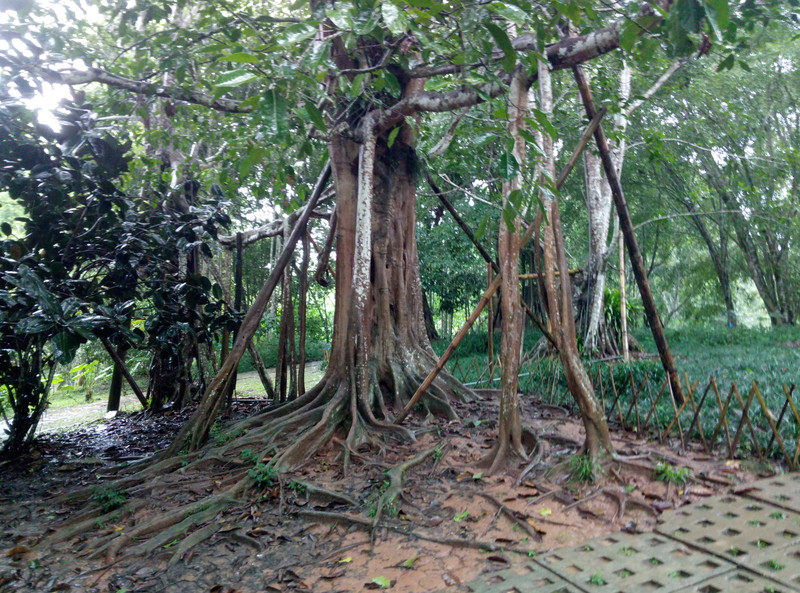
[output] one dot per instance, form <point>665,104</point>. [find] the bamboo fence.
<point>737,422</point>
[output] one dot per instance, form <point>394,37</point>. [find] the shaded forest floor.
<point>451,524</point>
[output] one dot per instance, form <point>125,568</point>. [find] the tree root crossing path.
<point>413,517</point>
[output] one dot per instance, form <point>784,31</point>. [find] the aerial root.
<point>331,517</point>
<point>86,522</point>
<point>622,500</point>
<point>517,517</point>
<point>395,488</point>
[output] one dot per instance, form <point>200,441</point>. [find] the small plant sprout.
<point>263,474</point>
<point>110,498</point>
<point>664,472</point>
<point>583,469</point>
<point>596,579</point>
<point>461,516</point>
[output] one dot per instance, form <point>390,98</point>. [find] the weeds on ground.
<point>664,472</point>
<point>110,498</point>
<point>583,469</point>
<point>263,475</point>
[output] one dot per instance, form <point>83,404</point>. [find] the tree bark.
<point>509,437</point>
<point>597,441</point>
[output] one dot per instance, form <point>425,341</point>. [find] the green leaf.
<point>394,18</point>
<point>299,32</point>
<point>690,13</point>
<point>365,21</point>
<point>316,117</point>
<point>33,285</point>
<point>254,155</point>
<point>628,35</point>
<point>727,63</point>
<point>510,12</point>
<point>358,84</point>
<point>6,228</point>
<point>382,582</point>
<point>461,516</point>
<point>234,78</point>
<point>504,43</point>
<point>508,166</point>
<point>515,199</point>
<point>86,324</point>
<point>240,57</point>
<point>276,117</point>
<point>510,216</point>
<point>719,11</point>
<point>392,136</point>
<point>64,346</point>
<point>543,122</point>
<point>410,562</point>
<point>481,231</point>
<point>34,324</point>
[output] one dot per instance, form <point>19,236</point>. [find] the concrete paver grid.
<point>626,563</point>
<point>522,579</point>
<point>782,491</point>
<point>735,581</point>
<point>732,527</point>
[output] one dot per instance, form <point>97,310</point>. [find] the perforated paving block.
<point>732,526</point>
<point>782,565</point>
<point>633,563</point>
<point>783,490</point>
<point>528,578</point>
<point>737,581</point>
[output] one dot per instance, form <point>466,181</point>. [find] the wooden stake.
<point>623,306</point>
<point>626,225</point>
<point>121,365</point>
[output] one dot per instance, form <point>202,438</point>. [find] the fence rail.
<point>764,421</point>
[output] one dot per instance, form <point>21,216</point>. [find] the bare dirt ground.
<point>451,523</point>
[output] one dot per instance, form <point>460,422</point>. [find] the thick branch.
<point>75,77</point>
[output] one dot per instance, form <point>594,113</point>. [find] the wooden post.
<point>121,364</point>
<point>490,321</point>
<point>626,226</point>
<point>623,306</point>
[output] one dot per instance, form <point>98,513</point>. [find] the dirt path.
<point>59,419</point>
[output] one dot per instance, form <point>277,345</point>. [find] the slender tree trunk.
<point>302,315</point>
<point>559,300</point>
<point>509,435</point>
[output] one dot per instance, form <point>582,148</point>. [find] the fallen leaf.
<point>498,558</point>
<point>382,582</point>
<point>450,580</point>
<point>410,562</point>
<point>346,560</point>
<point>545,512</point>
<point>17,551</point>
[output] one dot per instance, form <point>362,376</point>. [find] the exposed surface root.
<point>395,487</point>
